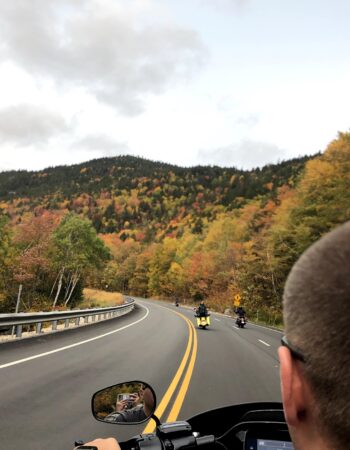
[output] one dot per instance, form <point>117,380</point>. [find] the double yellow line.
<point>175,410</point>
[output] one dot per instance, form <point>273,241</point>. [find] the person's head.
<point>147,399</point>
<point>316,309</point>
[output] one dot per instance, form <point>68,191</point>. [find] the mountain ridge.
<point>8,179</point>
<point>133,196</point>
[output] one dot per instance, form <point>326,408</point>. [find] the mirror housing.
<point>128,403</point>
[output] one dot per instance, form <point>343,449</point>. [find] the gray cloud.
<point>88,44</point>
<point>245,154</point>
<point>26,124</point>
<point>102,144</point>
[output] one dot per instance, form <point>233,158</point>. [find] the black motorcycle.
<point>248,426</point>
<point>241,321</point>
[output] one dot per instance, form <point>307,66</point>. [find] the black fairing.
<point>219,421</point>
<point>223,428</point>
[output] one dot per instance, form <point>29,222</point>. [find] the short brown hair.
<point>316,307</point>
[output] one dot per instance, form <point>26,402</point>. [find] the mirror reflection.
<point>131,402</point>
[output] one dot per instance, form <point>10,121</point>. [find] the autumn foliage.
<point>200,233</point>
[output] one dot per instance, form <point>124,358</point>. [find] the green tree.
<point>76,250</point>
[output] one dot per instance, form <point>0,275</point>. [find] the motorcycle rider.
<point>240,311</point>
<point>202,310</point>
<point>314,364</point>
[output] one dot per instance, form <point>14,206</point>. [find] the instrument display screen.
<point>266,444</point>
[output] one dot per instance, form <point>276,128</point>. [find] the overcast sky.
<point>228,82</point>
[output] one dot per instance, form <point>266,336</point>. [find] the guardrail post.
<point>93,318</point>
<point>19,331</point>
<point>86,319</point>
<point>77,320</point>
<point>54,325</point>
<point>66,323</point>
<point>38,327</point>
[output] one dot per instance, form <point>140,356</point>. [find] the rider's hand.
<point>122,406</point>
<point>104,444</point>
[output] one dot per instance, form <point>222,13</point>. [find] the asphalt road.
<point>46,383</point>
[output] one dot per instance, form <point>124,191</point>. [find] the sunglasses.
<point>295,352</point>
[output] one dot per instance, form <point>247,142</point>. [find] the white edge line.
<point>265,343</point>
<point>61,349</point>
<point>266,328</point>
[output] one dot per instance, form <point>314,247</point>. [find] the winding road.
<point>46,382</point>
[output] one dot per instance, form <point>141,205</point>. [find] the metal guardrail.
<point>16,321</point>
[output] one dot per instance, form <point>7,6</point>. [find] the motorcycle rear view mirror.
<point>126,403</point>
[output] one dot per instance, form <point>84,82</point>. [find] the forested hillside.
<point>138,198</point>
<point>164,231</point>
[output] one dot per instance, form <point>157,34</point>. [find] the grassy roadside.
<point>267,324</point>
<point>94,298</point>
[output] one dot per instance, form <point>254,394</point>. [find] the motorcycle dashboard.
<point>258,434</point>
<point>267,444</point>
<point>268,441</point>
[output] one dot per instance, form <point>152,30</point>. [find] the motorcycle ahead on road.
<point>248,426</point>
<point>241,321</point>
<point>203,321</point>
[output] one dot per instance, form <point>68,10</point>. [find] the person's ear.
<point>292,387</point>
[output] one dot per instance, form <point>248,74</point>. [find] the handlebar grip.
<point>205,440</point>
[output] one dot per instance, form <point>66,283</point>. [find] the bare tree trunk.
<point>58,289</point>
<point>53,286</point>
<point>17,305</point>
<point>274,285</point>
<point>272,275</point>
<point>76,279</point>
<point>68,288</point>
